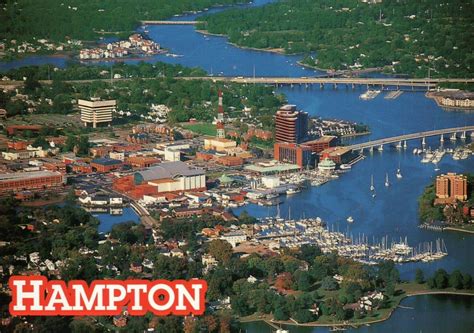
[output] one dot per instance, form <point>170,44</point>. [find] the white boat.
<point>387,183</point>
<point>399,173</point>
<point>372,187</point>
<point>345,166</point>
<point>292,191</point>
<point>350,219</point>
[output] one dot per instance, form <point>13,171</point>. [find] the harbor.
<point>278,234</point>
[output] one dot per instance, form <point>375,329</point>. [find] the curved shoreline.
<point>368,322</point>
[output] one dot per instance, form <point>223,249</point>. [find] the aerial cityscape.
<point>307,165</point>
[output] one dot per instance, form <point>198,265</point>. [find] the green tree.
<point>419,276</point>
<point>221,250</point>
<point>329,283</point>
<point>441,278</point>
<point>456,280</point>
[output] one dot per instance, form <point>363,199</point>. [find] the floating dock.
<point>393,94</point>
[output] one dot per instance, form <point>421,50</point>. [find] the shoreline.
<point>459,230</point>
<point>368,322</point>
<point>270,50</point>
<point>347,136</point>
<point>437,99</point>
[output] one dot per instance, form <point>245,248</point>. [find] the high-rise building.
<point>96,112</point>
<point>451,187</point>
<point>291,126</point>
<point>220,133</point>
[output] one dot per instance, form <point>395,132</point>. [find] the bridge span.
<point>335,81</point>
<point>171,22</point>
<point>401,139</point>
<point>398,82</point>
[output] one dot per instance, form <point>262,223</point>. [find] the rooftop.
<point>28,175</point>
<point>106,161</point>
<point>166,170</point>
<point>272,168</point>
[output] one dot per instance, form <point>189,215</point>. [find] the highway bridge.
<point>351,81</point>
<point>171,22</point>
<point>455,133</point>
<point>398,82</point>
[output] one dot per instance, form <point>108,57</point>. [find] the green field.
<point>202,128</point>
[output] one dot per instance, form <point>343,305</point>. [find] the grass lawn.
<point>201,128</point>
<point>404,289</point>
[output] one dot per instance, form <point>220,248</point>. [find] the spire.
<point>220,118</point>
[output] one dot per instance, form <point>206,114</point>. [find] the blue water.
<point>107,221</point>
<point>393,212</point>
<point>428,313</point>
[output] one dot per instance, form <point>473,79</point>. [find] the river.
<point>394,210</point>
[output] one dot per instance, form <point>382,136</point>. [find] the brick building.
<point>300,155</point>
<point>322,143</point>
<point>35,180</point>
<point>142,161</point>
<point>451,187</point>
<point>338,155</point>
<point>105,164</point>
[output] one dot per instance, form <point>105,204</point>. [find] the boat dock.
<point>393,94</point>
<point>433,227</point>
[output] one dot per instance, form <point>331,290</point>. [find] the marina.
<point>277,234</point>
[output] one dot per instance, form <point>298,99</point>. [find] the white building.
<point>172,177</point>
<point>270,181</point>
<point>96,112</point>
<point>234,238</point>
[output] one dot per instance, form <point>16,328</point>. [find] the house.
<point>136,267</point>
<point>234,238</point>
<point>178,253</point>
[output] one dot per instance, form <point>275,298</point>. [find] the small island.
<point>448,204</point>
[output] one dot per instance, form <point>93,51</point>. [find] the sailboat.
<point>372,187</point>
<point>399,173</point>
<point>387,183</point>
<point>350,219</point>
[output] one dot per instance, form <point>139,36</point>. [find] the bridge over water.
<point>401,139</point>
<point>398,82</point>
<point>171,22</point>
<point>335,81</point>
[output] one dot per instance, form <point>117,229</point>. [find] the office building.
<point>291,126</point>
<point>96,112</point>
